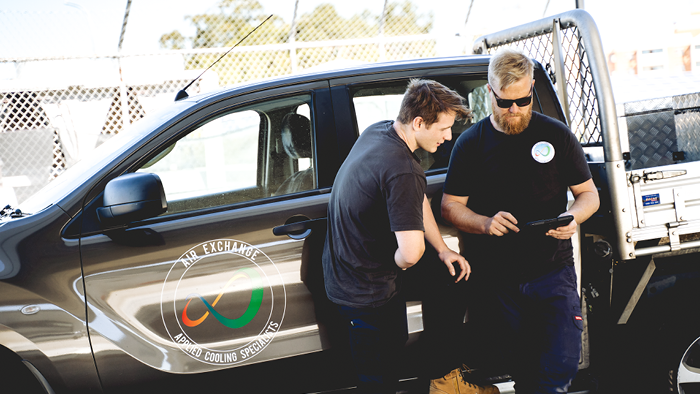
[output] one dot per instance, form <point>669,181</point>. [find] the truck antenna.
<point>183,94</point>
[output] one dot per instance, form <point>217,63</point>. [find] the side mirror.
<point>132,197</point>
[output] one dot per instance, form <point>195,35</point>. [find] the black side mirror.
<point>132,197</point>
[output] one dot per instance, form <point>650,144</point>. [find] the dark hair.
<point>428,99</point>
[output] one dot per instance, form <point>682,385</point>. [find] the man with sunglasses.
<point>509,169</point>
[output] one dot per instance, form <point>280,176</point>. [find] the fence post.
<point>382,21</point>
<point>292,39</point>
<point>122,86</point>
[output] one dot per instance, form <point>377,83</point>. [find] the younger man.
<point>378,219</point>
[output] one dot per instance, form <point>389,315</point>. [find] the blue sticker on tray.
<point>651,199</point>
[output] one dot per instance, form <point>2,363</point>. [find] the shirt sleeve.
<point>461,168</point>
<point>576,170</point>
<point>404,201</point>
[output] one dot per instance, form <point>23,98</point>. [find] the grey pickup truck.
<point>182,255</point>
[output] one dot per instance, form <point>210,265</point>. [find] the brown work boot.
<point>454,383</point>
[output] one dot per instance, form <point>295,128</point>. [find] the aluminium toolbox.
<point>663,168</point>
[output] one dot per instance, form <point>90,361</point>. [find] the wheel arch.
<point>26,358</point>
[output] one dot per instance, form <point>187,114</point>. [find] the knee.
<point>556,377</point>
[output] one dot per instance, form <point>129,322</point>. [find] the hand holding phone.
<point>546,224</point>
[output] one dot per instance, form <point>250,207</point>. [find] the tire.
<point>684,373</point>
<point>16,377</point>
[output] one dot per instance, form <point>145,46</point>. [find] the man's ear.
<point>417,122</point>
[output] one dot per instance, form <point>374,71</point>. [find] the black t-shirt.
<point>525,174</point>
<point>379,190</point>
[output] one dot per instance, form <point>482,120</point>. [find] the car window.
<point>381,101</point>
<point>250,153</point>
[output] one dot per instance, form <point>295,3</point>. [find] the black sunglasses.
<point>520,102</point>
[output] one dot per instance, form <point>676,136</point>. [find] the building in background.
<point>671,51</point>
<point>665,63</point>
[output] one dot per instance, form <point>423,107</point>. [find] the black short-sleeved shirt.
<point>379,190</point>
<point>525,174</point>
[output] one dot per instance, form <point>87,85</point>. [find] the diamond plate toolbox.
<point>663,131</point>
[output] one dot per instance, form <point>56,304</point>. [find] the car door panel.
<point>129,316</point>
<point>205,290</point>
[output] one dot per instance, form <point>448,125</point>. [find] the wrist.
<point>485,224</point>
<point>440,249</point>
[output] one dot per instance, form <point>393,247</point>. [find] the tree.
<point>172,40</point>
<point>236,18</point>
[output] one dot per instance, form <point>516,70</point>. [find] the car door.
<point>207,286</point>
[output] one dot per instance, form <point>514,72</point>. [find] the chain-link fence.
<point>44,130</point>
<point>583,115</point>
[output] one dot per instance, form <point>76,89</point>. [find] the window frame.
<point>263,106</point>
<point>86,223</point>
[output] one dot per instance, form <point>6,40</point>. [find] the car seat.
<point>296,139</point>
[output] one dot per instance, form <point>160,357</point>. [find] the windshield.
<point>87,167</point>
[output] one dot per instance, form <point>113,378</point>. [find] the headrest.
<point>296,136</point>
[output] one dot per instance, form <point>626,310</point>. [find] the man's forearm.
<point>463,218</point>
<point>432,231</point>
<point>584,206</point>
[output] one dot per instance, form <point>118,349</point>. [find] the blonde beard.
<point>511,128</point>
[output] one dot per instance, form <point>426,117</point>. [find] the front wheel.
<point>17,378</point>
<point>684,376</point>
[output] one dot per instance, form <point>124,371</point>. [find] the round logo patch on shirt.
<point>543,152</point>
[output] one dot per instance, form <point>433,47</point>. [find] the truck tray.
<point>664,168</point>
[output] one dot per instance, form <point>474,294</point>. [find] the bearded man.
<point>512,168</point>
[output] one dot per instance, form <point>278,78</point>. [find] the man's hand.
<point>564,232</point>
<point>448,256</point>
<point>500,224</point>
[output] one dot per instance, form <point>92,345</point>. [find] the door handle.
<point>302,229</point>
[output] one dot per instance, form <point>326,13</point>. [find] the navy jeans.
<point>539,324</point>
<point>377,337</point>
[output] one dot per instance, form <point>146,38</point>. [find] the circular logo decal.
<point>223,302</point>
<point>543,152</point>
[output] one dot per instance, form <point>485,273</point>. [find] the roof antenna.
<point>183,94</point>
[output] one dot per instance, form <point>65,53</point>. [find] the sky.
<point>60,27</point>
<point>65,28</point>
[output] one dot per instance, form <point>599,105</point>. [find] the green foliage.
<point>172,40</point>
<point>402,20</point>
<point>236,18</point>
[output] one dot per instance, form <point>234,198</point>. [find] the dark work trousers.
<point>534,329</point>
<point>377,337</point>
<point>443,340</point>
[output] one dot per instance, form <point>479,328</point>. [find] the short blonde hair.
<point>508,66</point>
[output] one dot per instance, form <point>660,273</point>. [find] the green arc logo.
<point>253,306</point>
<point>223,302</point>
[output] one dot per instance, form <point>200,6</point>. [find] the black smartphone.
<point>546,224</point>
